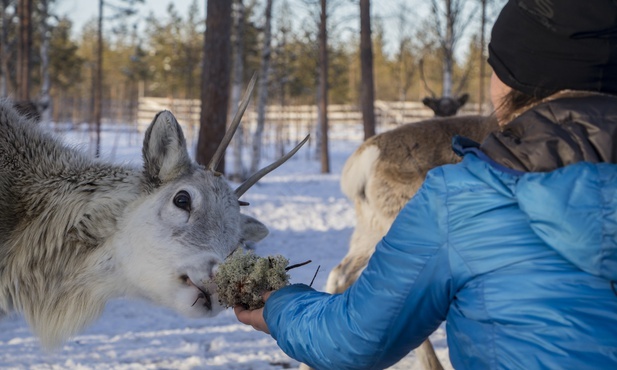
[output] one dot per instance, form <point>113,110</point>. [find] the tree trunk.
<point>482,59</point>
<point>44,98</point>
<point>98,82</point>
<point>263,89</point>
<point>367,93</point>
<point>448,58</point>
<point>282,65</point>
<point>215,81</point>
<point>405,71</point>
<point>5,50</point>
<point>238,173</point>
<point>24,11</point>
<point>323,89</point>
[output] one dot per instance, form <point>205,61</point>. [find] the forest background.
<point>98,73</point>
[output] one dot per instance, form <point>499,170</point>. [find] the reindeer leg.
<point>345,273</point>
<point>361,247</point>
<point>427,357</point>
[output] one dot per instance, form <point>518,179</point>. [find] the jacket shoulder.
<point>475,173</point>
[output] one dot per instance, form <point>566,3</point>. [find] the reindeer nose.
<point>213,267</point>
<point>214,270</point>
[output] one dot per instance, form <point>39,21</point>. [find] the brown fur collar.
<point>565,128</point>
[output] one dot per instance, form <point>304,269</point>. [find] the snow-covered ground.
<point>309,219</point>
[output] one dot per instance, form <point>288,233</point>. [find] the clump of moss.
<point>244,276</point>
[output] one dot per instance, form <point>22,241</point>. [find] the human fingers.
<point>253,318</point>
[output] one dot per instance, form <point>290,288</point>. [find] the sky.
<point>346,19</point>
<point>386,12</point>
<point>81,11</point>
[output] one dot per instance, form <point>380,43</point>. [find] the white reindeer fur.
<point>382,175</point>
<point>77,231</point>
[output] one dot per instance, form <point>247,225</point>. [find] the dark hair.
<point>513,103</point>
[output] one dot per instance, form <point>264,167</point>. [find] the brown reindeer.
<point>382,175</point>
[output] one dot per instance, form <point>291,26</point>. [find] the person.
<point>515,247</point>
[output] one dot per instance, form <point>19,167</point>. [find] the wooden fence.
<point>285,126</point>
<point>387,114</point>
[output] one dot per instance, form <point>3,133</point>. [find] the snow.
<point>309,219</point>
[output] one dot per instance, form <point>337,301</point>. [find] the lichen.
<point>244,277</point>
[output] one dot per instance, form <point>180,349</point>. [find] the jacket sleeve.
<point>401,297</point>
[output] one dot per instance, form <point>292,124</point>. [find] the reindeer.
<point>382,175</point>
<point>445,106</point>
<point>77,231</point>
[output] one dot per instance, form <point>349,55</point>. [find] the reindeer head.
<point>445,106</point>
<point>187,222</point>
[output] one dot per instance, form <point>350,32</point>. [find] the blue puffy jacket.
<point>519,264</point>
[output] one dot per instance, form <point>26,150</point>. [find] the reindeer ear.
<point>253,230</point>
<point>430,102</point>
<point>164,151</point>
<point>462,99</point>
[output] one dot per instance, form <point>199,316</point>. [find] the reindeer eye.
<point>182,200</point>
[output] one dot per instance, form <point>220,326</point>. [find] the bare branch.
<point>297,265</point>
<point>314,276</point>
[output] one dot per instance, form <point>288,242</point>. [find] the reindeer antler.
<point>423,78</point>
<point>266,170</point>
<point>220,151</point>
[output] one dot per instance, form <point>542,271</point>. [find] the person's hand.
<point>255,318</point>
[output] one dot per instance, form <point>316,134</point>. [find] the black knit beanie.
<point>542,46</point>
